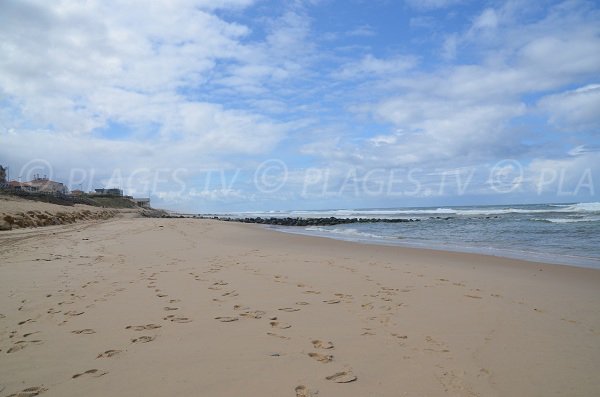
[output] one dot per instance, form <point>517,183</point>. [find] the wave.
<point>350,232</point>
<point>568,220</point>
<point>583,207</point>
<point>562,208</point>
<point>579,208</point>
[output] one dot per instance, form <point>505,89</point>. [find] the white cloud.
<point>488,19</point>
<point>450,47</point>
<point>362,31</point>
<point>66,62</point>
<point>209,126</point>
<point>574,110</point>
<point>283,56</point>
<point>565,177</point>
<point>432,4</point>
<point>370,66</point>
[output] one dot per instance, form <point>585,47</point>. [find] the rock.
<point>5,225</point>
<point>331,221</point>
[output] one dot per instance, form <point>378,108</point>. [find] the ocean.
<point>555,233</point>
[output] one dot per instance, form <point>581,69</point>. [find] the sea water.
<point>555,233</point>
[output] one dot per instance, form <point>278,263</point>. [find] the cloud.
<point>64,59</point>
<point>284,56</point>
<point>565,177</point>
<point>424,5</point>
<point>450,47</point>
<point>487,20</point>
<point>574,110</point>
<point>362,31</point>
<point>370,66</point>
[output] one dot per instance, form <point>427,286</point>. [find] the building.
<point>3,172</point>
<point>22,186</point>
<point>45,185</point>
<point>110,192</point>
<point>77,192</point>
<point>142,202</point>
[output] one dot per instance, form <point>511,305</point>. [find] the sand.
<point>156,307</point>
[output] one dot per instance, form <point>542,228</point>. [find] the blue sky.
<point>254,105</point>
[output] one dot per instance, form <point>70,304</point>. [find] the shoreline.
<point>561,234</point>
<point>159,306</point>
<point>528,256</point>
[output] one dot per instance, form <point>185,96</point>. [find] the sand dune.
<point>18,213</point>
<point>155,307</point>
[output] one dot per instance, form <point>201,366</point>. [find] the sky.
<point>246,105</point>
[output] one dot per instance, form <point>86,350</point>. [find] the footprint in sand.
<point>96,373</point>
<point>29,320</point>
<point>302,303</point>
<point>343,296</point>
<point>302,391</point>
<point>174,319</point>
<point>161,295</point>
<point>109,353</point>
<point>29,392</point>
<point>342,377</point>
<point>143,339</point>
<point>180,320</point>
<point>277,335</point>
<point>143,327</point>
<point>277,324</point>
<point>332,301</point>
<point>319,344</point>
<point>84,331</point>
<point>323,358</point>
<point>167,308</point>
<point>289,309</point>
<point>225,319</point>
<point>311,292</point>
<point>253,314</point>
<point>22,344</point>
<point>73,313</point>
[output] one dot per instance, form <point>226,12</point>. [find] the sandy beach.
<point>155,307</point>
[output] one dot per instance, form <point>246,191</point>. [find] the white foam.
<point>350,232</point>
<point>570,220</point>
<point>586,208</point>
<point>583,207</point>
